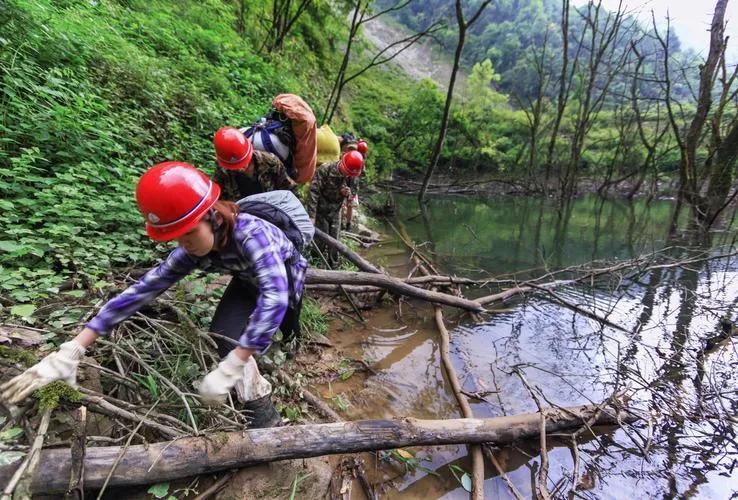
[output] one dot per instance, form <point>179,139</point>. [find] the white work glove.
<point>218,383</point>
<point>252,386</point>
<point>59,365</point>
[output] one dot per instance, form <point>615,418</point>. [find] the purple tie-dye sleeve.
<point>261,247</point>
<point>176,266</point>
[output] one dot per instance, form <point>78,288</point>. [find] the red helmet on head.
<point>363,146</point>
<point>351,164</point>
<point>173,197</point>
<point>232,149</point>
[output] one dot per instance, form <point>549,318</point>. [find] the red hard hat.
<point>351,164</point>
<point>363,147</point>
<point>173,197</point>
<point>232,149</point>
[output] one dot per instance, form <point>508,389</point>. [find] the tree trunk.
<point>320,276</point>
<point>689,189</point>
<point>171,460</point>
<point>433,163</point>
<point>335,95</point>
<point>721,177</point>
<point>352,256</point>
<point>563,94</point>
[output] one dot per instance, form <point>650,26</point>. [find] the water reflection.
<point>672,356</point>
<point>512,234</point>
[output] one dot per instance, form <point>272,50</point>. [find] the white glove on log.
<point>59,365</point>
<point>218,383</point>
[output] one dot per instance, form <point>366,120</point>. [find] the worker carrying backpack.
<point>282,209</point>
<point>289,132</point>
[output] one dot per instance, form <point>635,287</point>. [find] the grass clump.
<point>312,319</point>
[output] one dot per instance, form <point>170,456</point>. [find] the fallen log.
<point>352,256</point>
<point>190,456</point>
<point>524,288</point>
<point>475,451</point>
<point>321,276</point>
<point>348,288</point>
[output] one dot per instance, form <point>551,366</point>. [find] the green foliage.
<point>96,92</point>
<point>293,413</point>
<point>345,369</point>
<point>93,94</point>
<point>492,132</point>
<point>462,477</point>
<point>23,356</point>
<point>50,396</point>
<point>298,479</point>
<point>22,310</point>
<point>415,130</point>
<point>159,490</point>
<point>341,402</point>
<point>10,434</point>
<point>150,383</point>
<point>410,461</point>
<point>312,319</point>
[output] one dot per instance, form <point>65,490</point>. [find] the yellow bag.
<point>328,147</point>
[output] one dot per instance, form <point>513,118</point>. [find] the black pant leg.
<point>232,313</point>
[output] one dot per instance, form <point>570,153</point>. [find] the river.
<point>686,450</point>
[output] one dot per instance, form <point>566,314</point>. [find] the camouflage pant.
<point>329,223</point>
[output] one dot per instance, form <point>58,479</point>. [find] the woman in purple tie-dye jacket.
<point>181,203</point>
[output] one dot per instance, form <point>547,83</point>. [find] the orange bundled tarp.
<point>302,118</point>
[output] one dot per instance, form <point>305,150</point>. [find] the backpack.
<point>282,209</point>
<point>329,149</point>
<point>288,131</point>
<point>273,134</point>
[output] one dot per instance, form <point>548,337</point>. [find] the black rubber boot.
<point>262,413</point>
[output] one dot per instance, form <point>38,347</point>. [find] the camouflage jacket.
<point>325,189</point>
<point>267,174</point>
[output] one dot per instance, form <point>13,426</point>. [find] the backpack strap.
<point>265,129</point>
<point>267,140</point>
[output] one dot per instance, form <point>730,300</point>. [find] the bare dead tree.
<point>724,149</point>
<point>717,169</point>
<point>603,65</point>
<point>361,16</point>
<point>566,81</point>
<point>463,26</point>
<point>283,18</point>
<point>625,121</point>
<point>689,190</point>
<point>649,143</point>
<point>563,96</point>
<point>533,108</point>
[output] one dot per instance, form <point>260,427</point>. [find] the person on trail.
<point>244,170</point>
<point>350,143</point>
<point>278,151</point>
<point>362,147</point>
<point>181,203</point>
<point>331,187</point>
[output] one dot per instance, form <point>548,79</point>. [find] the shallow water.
<point>687,451</point>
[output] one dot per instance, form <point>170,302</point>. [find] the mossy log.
<point>190,456</point>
